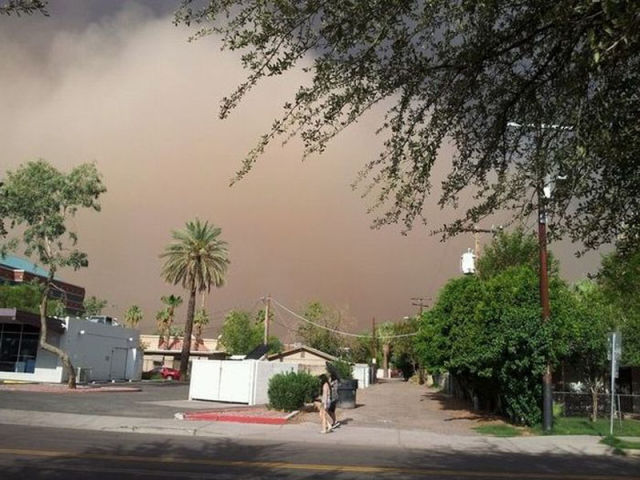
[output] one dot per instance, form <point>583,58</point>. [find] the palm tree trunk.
<point>62,355</point>
<point>188,329</point>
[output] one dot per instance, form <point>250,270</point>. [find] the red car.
<point>167,373</point>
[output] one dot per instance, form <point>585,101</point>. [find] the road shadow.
<point>64,454</point>
<point>461,409</point>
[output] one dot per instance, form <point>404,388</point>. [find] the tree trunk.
<point>188,329</point>
<point>64,358</point>
<point>385,359</point>
<point>594,402</point>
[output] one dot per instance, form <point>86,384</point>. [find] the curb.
<point>239,418</point>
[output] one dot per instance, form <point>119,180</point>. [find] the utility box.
<point>468,262</point>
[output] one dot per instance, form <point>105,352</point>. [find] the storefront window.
<point>18,347</point>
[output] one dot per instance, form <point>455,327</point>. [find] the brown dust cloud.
<point>122,87</point>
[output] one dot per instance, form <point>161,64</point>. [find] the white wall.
<point>237,381</point>
<point>264,372</point>
<point>361,373</point>
<point>48,369</point>
<point>111,352</point>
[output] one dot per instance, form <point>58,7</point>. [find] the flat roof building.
<point>16,270</point>
<point>101,352</point>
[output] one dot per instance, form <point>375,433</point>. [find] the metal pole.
<point>547,393</point>
<point>266,320</point>
<point>373,337</point>
<point>613,379</point>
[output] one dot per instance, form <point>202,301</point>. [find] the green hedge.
<point>343,368</point>
<point>289,391</point>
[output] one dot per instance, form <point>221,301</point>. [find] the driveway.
<point>406,406</point>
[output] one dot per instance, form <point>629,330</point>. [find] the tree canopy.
<point>94,305</point>
<point>133,316</point>
<point>242,332</point>
<point>459,73</point>
<point>27,297</point>
<point>24,7</point>
<point>318,337</point>
<point>511,248</point>
<point>488,333</point>
<point>619,279</point>
<point>37,203</point>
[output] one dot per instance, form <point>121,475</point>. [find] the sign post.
<point>615,351</point>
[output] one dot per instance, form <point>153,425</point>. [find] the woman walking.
<point>325,403</point>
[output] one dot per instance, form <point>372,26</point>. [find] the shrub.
<point>289,391</point>
<point>343,369</point>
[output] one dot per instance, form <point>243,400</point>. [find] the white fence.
<point>237,381</point>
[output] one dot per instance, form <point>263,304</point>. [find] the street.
<point>33,452</point>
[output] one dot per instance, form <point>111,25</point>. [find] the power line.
<point>339,332</point>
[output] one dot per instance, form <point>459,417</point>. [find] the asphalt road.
<point>124,404</point>
<point>38,453</point>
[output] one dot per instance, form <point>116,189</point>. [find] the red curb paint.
<point>221,417</point>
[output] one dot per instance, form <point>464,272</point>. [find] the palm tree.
<point>200,320</point>
<point>133,316</point>
<point>162,319</point>
<point>172,302</point>
<point>196,259</point>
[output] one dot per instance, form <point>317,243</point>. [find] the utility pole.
<point>419,302</point>
<point>266,319</point>
<point>547,393</point>
<point>373,338</point>
<point>544,191</point>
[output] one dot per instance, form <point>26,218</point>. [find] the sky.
<point>116,83</point>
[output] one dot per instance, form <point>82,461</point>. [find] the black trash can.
<point>347,393</point>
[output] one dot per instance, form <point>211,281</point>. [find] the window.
<point>18,347</point>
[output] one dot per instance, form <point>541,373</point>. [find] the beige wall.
<point>306,361</point>
<point>151,341</point>
<point>151,361</point>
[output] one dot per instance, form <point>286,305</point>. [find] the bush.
<point>289,391</point>
<point>343,369</point>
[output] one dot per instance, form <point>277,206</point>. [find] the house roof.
<point>301,348</point>
<point>18,263</point>
<point>177,353</point>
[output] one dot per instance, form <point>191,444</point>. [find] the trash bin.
<point>347,393</point>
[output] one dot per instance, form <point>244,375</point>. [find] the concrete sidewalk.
<point>308,433</point>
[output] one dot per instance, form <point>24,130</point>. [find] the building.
<point>308,359</point>
<point>100,352</point>
<point>15,270</point>
<point>158,353</point>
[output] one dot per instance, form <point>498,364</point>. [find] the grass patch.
<point>584,426</point>
<point>620,443</point>
<point>498,430</point>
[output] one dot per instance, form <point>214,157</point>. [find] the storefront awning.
<point>13,315</point>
